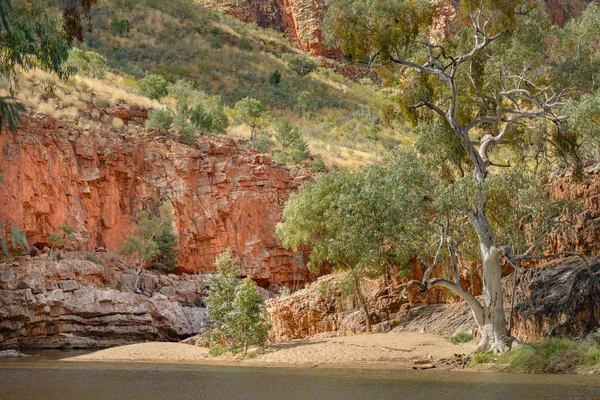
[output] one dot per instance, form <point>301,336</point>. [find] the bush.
<point>87,63</point>
<point>166,260</point>
<point>300,63</point>
<point>275,78</point>
<point>160,120</point>
<point>235,308</point>
<point>95,260</point>
<point>318,165</point>
<point>153,86</point>
<point>461,337</point>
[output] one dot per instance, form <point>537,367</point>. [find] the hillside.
<point>223,56</point>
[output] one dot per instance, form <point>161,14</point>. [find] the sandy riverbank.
<point>387,350</point>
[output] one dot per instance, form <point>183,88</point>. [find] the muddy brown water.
<point>45,377</point>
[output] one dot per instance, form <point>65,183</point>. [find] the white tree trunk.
<point>493,331</point>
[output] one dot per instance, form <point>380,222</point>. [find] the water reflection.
<point>43,377</point>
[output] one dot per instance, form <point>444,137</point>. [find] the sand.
<point>386,350</point>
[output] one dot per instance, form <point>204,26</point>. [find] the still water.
<point>45,377</point>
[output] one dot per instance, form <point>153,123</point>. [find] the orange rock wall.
<point>223,194</point>
<point>299,19</point>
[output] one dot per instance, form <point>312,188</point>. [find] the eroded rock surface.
<point>224,195</point>
<point>76,303</point>
<point>558,298</point>
<point>299,19</point>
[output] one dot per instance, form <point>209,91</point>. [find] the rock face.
<point>585,237</point>
<point>322,311</point>
<point>75,303</point>
<point>559,298</point>
<point>299,19</point>
<point>223,194</point>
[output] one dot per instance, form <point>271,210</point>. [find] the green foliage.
<point>300,63</point>
<point>29,39</point>
<point>461,337</point>
<point>318,165</point>
<point>217,351</point>
<point>294,148</point>
<point>249,112</point>
<point>166,259</point>
<point>153,86</point>
<point>234,307</point>
<point>17,238</point>
<point>94,259</point>
<point>553,355</point>
<point>55,240</point>
<point>60,239</point>
<point>146,245</point>
<point>275,78</point>
<point>121,27</point>
<point>87,63</point>
<point>160,120</point>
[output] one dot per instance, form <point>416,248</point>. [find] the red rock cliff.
<point>299,19</point>
<point>223,194</point>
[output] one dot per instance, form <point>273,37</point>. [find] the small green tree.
<point>250,112</point>
<point>160,120</point>
<point>153,86</point>
<point>275,78</point>
<point>300,63</point>
<point>305,101</point>
<point>234,307</point>
<point>60,239</point>
<point>87,63</point>
<point>121,27</point>
<point>166,259</point>
<point>143,244</point>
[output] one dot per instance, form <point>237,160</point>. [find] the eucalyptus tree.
<point>485,78</point>
<point>361,223</point>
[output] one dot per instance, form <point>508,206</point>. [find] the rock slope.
<point>223,194</point>
<point>76,303</point>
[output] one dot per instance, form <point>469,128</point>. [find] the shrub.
<point>92,258</point>
<point>234,307</point>
<point>461,337</point>
<point>153,86</point>
<point>160,120</point>
<point>300,63</point>
<point>318,165</point>
<point>121,27</point>
<point>275,78</point>
<point>87,63</point>
<point>166,260</point>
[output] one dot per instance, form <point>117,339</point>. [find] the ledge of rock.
<point>75,303</point>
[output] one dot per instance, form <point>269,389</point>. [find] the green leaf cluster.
<point>87,63</point>
<point>154,241</point>
<point>300,63</point>
<point>235,308</point>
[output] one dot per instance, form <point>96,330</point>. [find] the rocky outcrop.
<point>322,310</point>
<point>584,236</point>
<point>299,19</point>
<point>559,298</point>
<point>77,303</point>
<point>223,194</point>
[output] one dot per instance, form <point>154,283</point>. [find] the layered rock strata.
<point>560,298</point>
<point>223,194</point>
<point>77,303</point>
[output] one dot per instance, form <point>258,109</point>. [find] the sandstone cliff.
<point>75,303</point>
<point>300,20</point>
<point>223,194</point>
<point>559,298</point>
